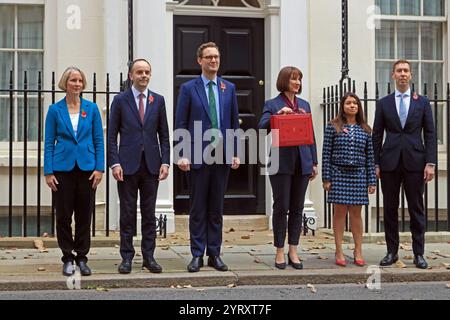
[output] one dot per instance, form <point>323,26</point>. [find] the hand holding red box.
<point>293,130</point>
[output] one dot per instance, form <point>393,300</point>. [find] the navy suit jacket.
<point>193,107</point>
<point>136,137</point>
<point>308,154</point>
<point>415,152</point>
<point>63,149</point>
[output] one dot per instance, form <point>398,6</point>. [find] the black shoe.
<point>217,263</point>
<point>280,266</point>
<point>195,264</point>
<point>295,265</point>
<point>68,268</point>
<point>125,267</point>
<point>84,269</point>
<point>389,259</point>
<point>151,265</point>
<point>420,262</point>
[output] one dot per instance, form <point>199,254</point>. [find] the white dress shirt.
<point>136,94</point>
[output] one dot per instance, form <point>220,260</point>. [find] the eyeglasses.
<point>211,57</point>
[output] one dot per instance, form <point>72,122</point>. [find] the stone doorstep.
<point>237,222</point>
<point>218,279</point>
<point>430,237</point>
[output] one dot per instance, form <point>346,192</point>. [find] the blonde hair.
<point>66,75</point>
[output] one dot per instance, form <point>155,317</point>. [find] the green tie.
<point>212,106</point>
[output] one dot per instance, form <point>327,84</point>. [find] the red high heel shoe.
<point>358,262</point>
<point>340,262</point>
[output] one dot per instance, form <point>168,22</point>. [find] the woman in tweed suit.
<point>348,171</point>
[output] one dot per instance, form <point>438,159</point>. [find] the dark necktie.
<point>141,107</point>
<point>212,107</point>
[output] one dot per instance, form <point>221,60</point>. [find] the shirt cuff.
<point>431,164</point>
<point>115,165</point>
<point>166,165</point>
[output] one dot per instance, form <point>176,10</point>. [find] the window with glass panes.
<point>21,49</point>
<point>412,30</point>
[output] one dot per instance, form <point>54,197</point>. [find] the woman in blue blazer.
<point>297,166</point>
<point>73,167</point>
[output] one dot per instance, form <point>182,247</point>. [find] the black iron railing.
<point>19,222</point>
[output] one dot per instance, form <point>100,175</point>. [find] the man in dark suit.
<point>142,160</point>
<point>208,101</point>
<point>404,158</point>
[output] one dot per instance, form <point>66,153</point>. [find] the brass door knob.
<point>261,83</point>
<point>241,121</point>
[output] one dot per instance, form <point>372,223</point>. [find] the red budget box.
<point>293,130</point>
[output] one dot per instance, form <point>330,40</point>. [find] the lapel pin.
<point>223,86</point>
<point>151,99</point>
<point>83,113</point>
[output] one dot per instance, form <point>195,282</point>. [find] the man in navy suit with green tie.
<point>208,101</point>
<point>405,159</point>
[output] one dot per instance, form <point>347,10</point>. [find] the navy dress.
<point>348,163</point>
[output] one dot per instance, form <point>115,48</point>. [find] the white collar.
<point>136,92</point>
<point>405,94</point>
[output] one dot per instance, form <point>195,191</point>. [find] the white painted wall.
<point>153,41</point>
<point>303,33</point>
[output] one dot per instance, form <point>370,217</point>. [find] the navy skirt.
<point>349,185</point>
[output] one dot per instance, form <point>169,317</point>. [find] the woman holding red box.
<point>297,166</point>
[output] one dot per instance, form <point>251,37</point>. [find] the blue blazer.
<point>345,150</point>
<point>136,137</point>
<point>193,106</point>
<point>308,154</point>
<point>63,149</point>
<point>415,152</point>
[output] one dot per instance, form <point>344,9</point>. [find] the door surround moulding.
<point>233,12</point>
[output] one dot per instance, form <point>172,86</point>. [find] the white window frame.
<point>445,66</point>
<point>18,146</point>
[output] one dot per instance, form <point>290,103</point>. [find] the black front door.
<point>241,43</point>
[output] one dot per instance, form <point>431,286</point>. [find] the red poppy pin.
<point>415,96</point>
<point>345,130</point>
<point>151,99</point>
<point>83,114</point>
<point>223,87</point>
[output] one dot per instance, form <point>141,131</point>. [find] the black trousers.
<point>288,202</point>
<point>147,185</point>
<point>74,195</point>
<point>207,187</point>
<point>414,185</point>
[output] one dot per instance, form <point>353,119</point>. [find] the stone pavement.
<point>249,255</point>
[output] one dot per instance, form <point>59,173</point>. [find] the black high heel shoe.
<point>280,266</point>
<point>295,265</point>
